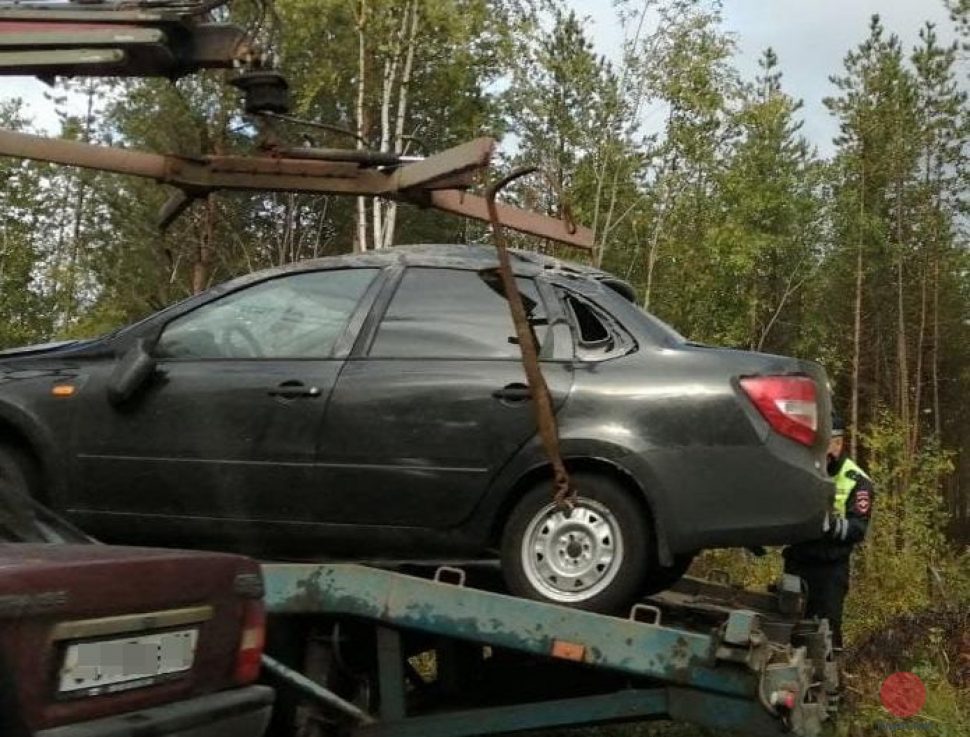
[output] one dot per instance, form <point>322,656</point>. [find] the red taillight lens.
<point>251,642</point>
<point>787,403</point>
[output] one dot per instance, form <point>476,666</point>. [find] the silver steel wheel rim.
<point>572,557</point>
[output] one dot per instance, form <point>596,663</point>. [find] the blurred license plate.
<point>105,666</point>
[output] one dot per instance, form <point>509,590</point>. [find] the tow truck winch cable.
<point>564,493</point>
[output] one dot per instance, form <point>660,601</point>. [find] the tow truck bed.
<point>443,659</point>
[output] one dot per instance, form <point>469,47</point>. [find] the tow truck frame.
<point>705,653</point>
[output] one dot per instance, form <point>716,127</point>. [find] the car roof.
<point>433,254</point>
<point>442,255</point>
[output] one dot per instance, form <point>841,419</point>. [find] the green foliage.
<point>727,222</point>
<point>25,304</point>
<point>908,529</point>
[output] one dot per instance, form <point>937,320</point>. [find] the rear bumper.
<point>740,496</point>
<point>242,712</point>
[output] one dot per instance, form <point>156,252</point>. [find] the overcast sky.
<point>811,38</point>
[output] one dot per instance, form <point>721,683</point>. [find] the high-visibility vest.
<point>844,483</point>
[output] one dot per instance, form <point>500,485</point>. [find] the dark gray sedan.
<point>375,406</point>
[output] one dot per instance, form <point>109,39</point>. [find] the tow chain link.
<point>545,415</point>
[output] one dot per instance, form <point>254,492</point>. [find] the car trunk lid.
<point>94,630</point>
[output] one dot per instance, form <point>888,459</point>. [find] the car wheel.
<point>16,481</point>
<point>596,556</point>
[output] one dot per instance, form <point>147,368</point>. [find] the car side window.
<point>296,316</point>
<point>596,336</point>
<point>453,313</point>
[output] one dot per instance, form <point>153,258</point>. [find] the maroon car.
<point>105,641</point>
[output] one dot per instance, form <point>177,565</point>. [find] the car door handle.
<point>294,390</point>
<point>513,393</point>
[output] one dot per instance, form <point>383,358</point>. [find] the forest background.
<point>732,226</point>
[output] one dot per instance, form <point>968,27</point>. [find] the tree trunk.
<point>918,375</point>
<point>663,178</point>
<point>935,361</point>
<point>201,269</point>
<point>360,240</point>
<point>857,335</point>
<point>390,218</point>
<point>80,199</point>
<point>901,347</point>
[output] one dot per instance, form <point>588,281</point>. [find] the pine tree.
<point>770,222</point>
<point>876,155</point>
<point>26,313</point>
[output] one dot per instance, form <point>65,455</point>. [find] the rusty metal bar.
<point>283,166</point>
<point>312,176</point>
<point>314,690</point>
<point>465,159</point>
<point>514,218</point>
<point>75,153</point>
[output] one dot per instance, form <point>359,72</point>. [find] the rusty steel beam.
<point>312,176</point>
<point>524,221</point>
<point>446,166</point>
<point>207,173</point>
<point>75,153</point>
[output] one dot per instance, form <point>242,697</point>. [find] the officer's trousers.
<point>828,583</point>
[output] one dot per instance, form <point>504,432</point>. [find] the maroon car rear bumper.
<point>243,712</point>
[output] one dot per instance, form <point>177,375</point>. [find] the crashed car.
<point>106,641</point>
<point>375,406</point>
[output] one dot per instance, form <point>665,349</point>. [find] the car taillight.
<point>787,403</point>
<point>251,642</point>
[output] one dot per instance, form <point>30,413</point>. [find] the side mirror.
<point>131,373</point>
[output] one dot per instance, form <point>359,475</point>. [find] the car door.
<point>227,428</point>
<point>427,413</point>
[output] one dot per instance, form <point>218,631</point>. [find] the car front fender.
<point>22,427</point>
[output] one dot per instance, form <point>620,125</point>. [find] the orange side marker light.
<point>63,390</point>
<point>568,650</point>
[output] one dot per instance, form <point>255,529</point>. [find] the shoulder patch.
<point>863,502</point>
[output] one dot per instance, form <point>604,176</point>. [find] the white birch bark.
<point>360,242</point>
<point>390,219</point>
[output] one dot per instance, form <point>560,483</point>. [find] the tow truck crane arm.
<point>438,182</point>
<point>135,39</point>
<point>169,38</point>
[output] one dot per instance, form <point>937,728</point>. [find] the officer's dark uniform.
<point>824,563</point>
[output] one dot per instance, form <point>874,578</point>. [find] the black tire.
<point>16,489</point>
<point>608,522</point>
<point>662,578</point>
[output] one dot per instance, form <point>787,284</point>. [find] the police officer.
<point>823,564</point>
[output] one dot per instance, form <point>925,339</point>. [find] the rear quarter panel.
<point>717,474</point>
<point>674,419</point>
